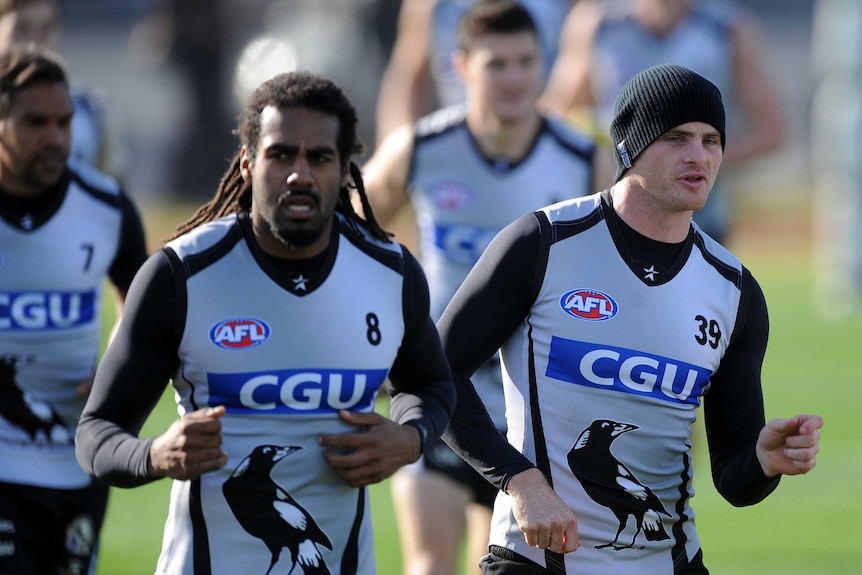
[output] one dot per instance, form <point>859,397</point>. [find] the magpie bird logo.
<point>37,418</point>
<point>610,483</point>
<point>268,512</point>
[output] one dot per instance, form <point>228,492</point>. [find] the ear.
<point>459,63</point>
<point>245,164</point>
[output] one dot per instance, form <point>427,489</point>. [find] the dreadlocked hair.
<point>233,196</point>
<point>299,89</point>
<point>345,206</point>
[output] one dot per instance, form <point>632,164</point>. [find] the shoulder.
<point>394,150</point>
<point>568,137</point>
<point>92,180</point>
<point>212,236</point>
<point>388,253</point>
<point>719,257</point>
<point>440,122</point>
<point>575,210</point>
<point>100,187</point>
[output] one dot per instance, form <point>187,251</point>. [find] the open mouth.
<point>298,204</point>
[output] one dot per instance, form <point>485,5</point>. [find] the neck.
<point>506,139</point>
<point>273,246</point>
<point>647,216</point>
<point>14,188</point>
<point>661,16</point>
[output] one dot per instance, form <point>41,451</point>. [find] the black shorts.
<point>440,458</point>
<point>502,561</point>
<point>50,531</point>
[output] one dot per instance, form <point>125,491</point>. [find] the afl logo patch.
<point>451,196</point>
<point>589,304</point>
<point>239,333</point>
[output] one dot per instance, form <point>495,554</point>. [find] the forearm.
<point>421,387</point>
<point>130,380</point>
<point>110,453</point>
<point>740,479</point>
<point>473,436</point>
<point>733,408</point>
<point>428,410</point>
<point>487,308</point>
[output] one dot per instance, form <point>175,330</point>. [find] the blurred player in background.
<point>605,43</point>
<point>38,22</point>
<point>64,230</point>
<point>467,171</point>
<point>419,75</point>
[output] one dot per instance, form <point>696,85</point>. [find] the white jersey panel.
<point>608,398</point>
<point>282,365</point>
<point>50,303</point>
<point>462,200</point>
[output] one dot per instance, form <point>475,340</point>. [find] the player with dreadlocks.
<point>278,314</point>
<point>234,193</point>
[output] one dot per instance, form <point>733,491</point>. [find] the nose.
<point>696,152</point>
<point>300,174</point>
<point>58,135</point>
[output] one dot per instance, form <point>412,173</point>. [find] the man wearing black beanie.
<point>657,100</point>
<point>614,315</point>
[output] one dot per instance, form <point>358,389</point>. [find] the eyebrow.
<point>40,116</point>
<point>691,134</point>
<point>289,148</point>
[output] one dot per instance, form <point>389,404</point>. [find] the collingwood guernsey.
<point>56,250</point>
<point>463,198</point>
<point>597,398</point>
<point>283,350</point>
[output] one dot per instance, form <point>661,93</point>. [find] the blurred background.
<point>171,74</point>
<point>168,71</point>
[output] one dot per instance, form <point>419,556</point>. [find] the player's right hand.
<point>545,520</point>
<point>190,447</point>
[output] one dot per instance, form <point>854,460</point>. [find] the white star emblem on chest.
<point>299,283</point>
<point>650,273</point>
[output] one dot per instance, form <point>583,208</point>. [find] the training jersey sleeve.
<point>423,394</point>
<point>132,250</point>
<point>733,408</point>
<point>131,378</point>
<point>493,300</point>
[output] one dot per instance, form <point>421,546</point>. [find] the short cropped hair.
<point>493,17</point>
<point>9,6</point>
<point>301,89</point>
<point>24,67</point>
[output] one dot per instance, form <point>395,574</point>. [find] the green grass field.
<point>811,525</point>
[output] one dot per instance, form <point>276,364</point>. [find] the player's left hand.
<point>789,446</point>
<point>374,452</point>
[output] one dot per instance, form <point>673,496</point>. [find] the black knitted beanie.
<point>656,100</point>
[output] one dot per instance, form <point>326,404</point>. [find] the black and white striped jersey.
<point>56,251</point>
<point>462,199</point>
<point>605,361</point>
<point>283,349</point>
